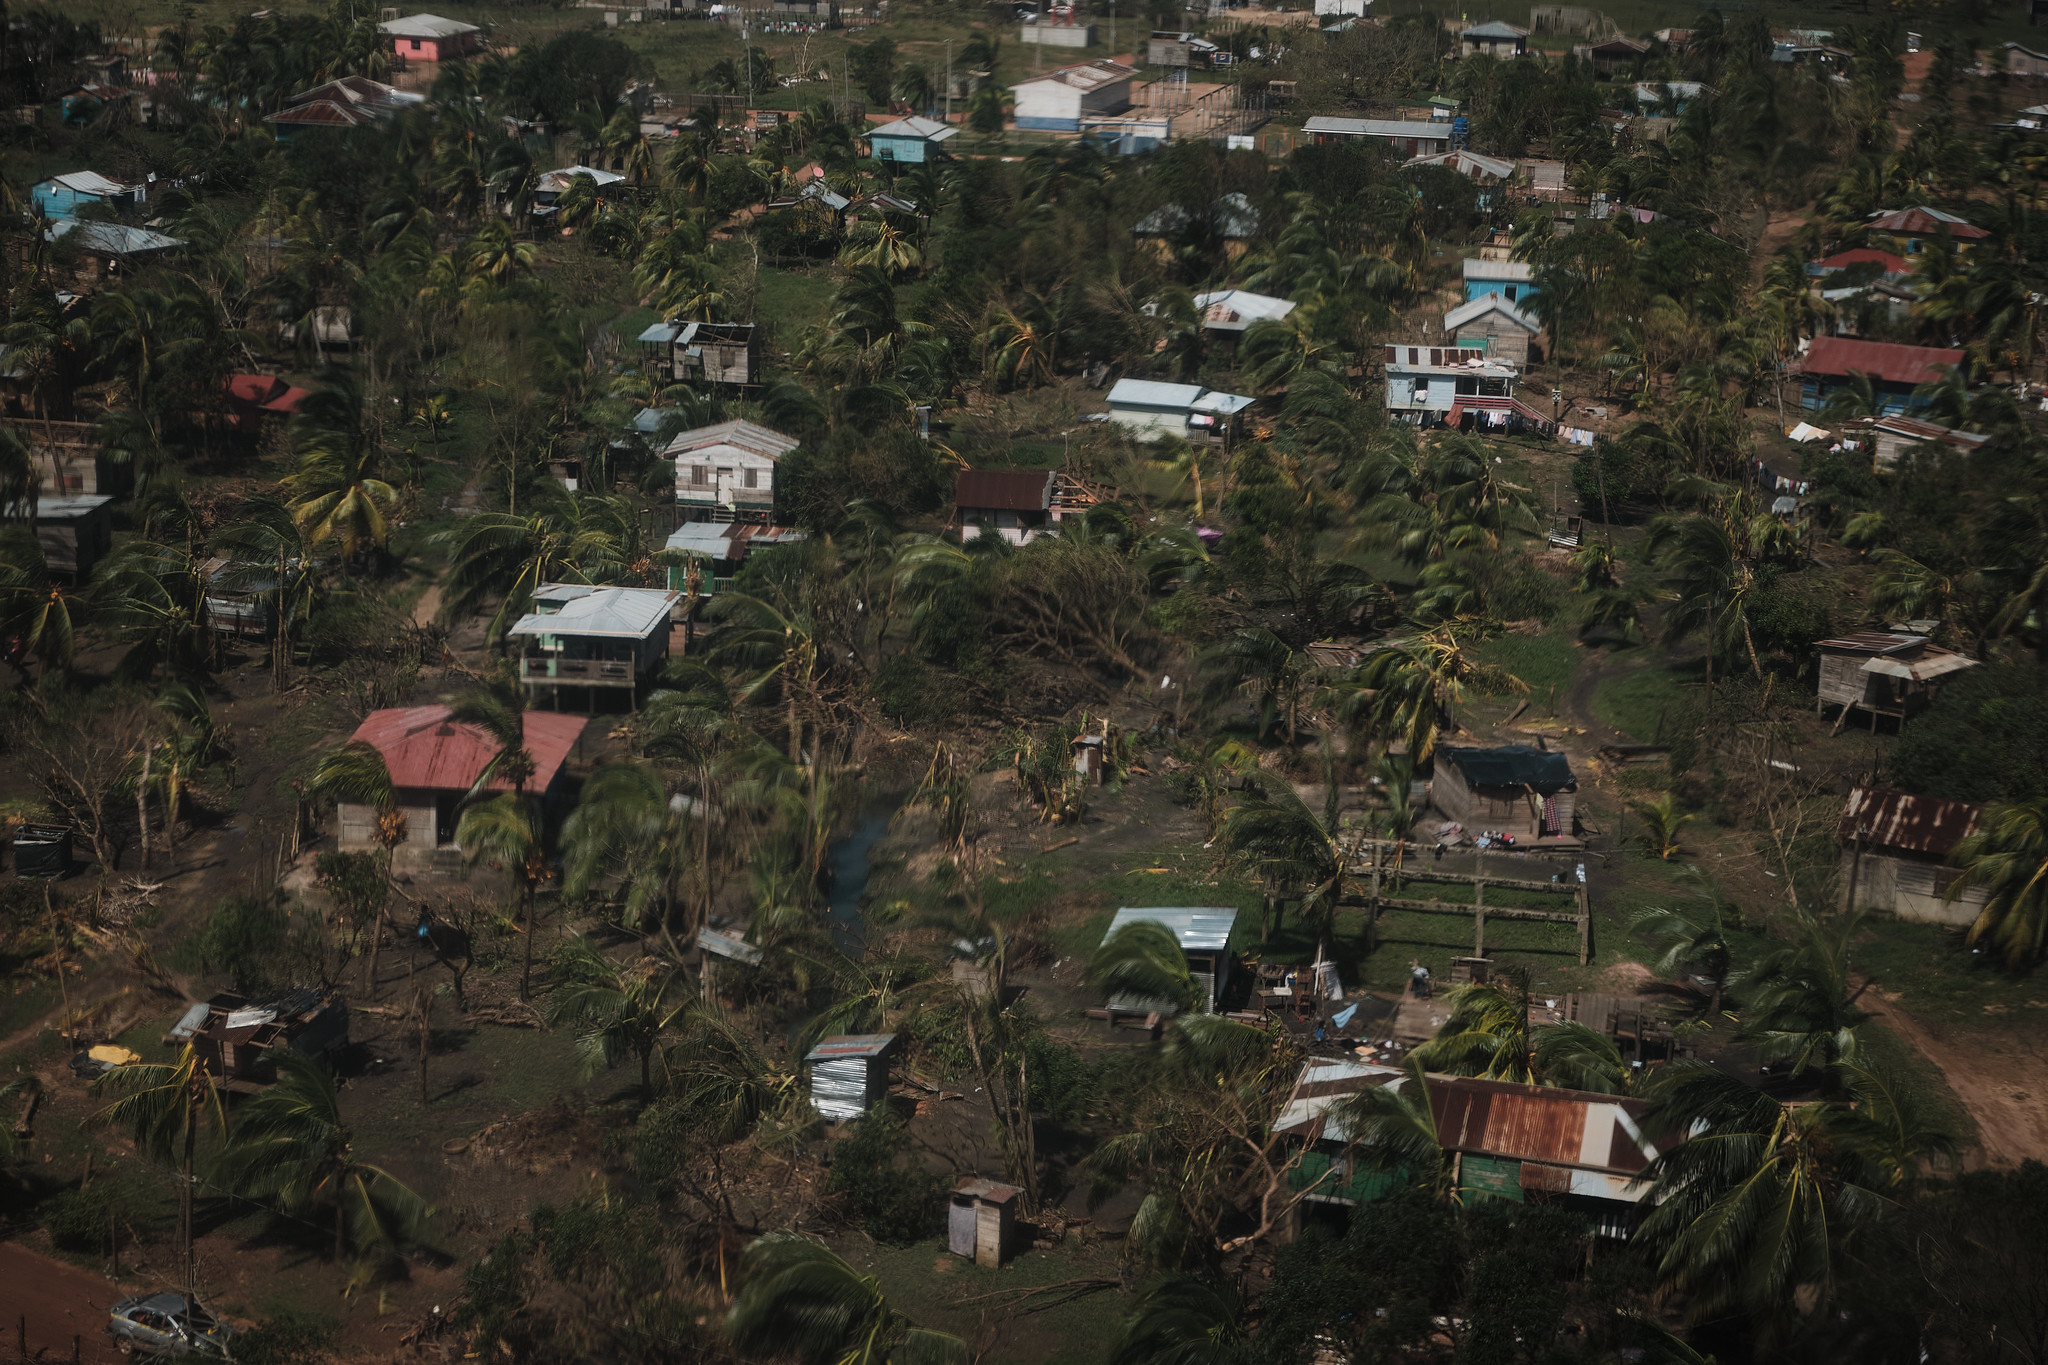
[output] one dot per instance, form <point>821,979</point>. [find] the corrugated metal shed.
<point>849,1074</point>
<point>1198,929</point>
<point>743,434</point>
<point>1873,642</point>
<point>1892,819</point>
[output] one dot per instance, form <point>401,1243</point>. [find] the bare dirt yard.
<point>2000,1078</point>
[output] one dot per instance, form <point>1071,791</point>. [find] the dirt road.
<point>2001,1079</point>
<point>54,1304</point>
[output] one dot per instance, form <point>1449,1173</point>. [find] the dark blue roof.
<point>1513,765</point>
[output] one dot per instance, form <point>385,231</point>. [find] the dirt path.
<point>54,1304</point>
<point>428,606</point>
<point>2002,1080</point>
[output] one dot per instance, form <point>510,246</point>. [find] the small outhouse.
<point>981,1220</point>
<point>849,1074</point>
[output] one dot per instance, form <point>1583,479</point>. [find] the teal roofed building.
<point>910,141</point>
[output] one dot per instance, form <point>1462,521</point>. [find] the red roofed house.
<point>1895,848</point>
<point>1894,371</point>
<point>345,102</point>
<point>434,762</point>
<point>253,397</point>
<point>1015,504</point>
<point>1887,262</point>
<point>1917,226</point>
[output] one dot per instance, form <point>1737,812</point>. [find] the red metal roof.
<point>1893,265</point>
<point>255,389</point>
<point>1018,490</point>
<point>1881,360</point>
<point>1893,819</point>
<point>1920,222</point>
<point>425,750</point>
<point>1536,1123</point>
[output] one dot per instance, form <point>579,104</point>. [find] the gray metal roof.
<point>702,538</point>
<point>1378,127</point>
<point>1496,29</point>
<point>1198,929</point>
<point>660,334</point>
<point>1490,303</point>
<point>851,1045</point>
<point>1150,393</point>
<point>89,182</point>
<point>1223,404</point>
<point>64,509</point>
<point>1476,269</point>
<point>929,130</point>
<point>113,239</point>
<point>425,26</point>
<point>633,613</point>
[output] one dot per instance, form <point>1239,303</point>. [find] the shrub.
<point>892,1204</point>
<point>1985,738</point>
<point>243,937</point>
<point>913,693</point>
<point>77,1221</point>
<point>290,1337</point>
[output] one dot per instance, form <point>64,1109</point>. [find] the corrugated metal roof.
<point>851,1045</point>
<point>1921,219</point>
<point>1495,29</point>
<point>1223,404</point>
<point>988,1191</point>
<point>1513,765</point>
<point>1931,663</point>
<point>1198,929</point>
<point>89,182</point>
<point>1085,76</point>
<point>1151,393</point>
<point>1873,642</point>
<point>1017,490</point>
<point>1237,309</point>
<point>617,613</point>
<point>927,130</point>
<point>67,509</point>
<point>702,537</point>
<point>1491,303</point>
<point>423,749</point>
<point>1476,269</point>
<point>425,26</point>
<point>1883,360</point>
<point>113,239</point>
<point>1378,127</point>
<point>1889,818</point>
<point>746,435</point>
<point>660,334</point>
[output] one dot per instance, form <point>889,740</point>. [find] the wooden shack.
<point>982,1220</point>
<point>1895,849</point>
<point>1883,673</point>
<point>69,461</point>
<point>1511,789</point>
<point>237,1039</point>
<point>849,1074</point>
<point>75,533</point>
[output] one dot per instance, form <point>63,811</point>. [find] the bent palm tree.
<point>620,1010</point>
<point>291,1148</point>
<point>1392,1128</point>
<point>1486,1034</point>
<point>1144,961</point>
<point>163,1107</point>
<point>799,1302</point>
<point>506,829</point>
<point>1182,1320</point>
<point>2007,856</point>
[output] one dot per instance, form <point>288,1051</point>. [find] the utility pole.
<point>949,80</point>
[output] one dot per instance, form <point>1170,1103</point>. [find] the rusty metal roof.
<point>1020,490</point>
<point>1909,823</point>
<point>1567,1128</point>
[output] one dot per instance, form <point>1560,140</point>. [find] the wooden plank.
<point>1492,912</point>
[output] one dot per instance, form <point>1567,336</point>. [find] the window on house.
<point>753,478</point>
<point>700,474</point>
<point>1510,291</point>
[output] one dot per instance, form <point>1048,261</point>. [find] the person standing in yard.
<point>1418,980</point>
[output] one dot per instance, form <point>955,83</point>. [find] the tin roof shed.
<point>1198,929</point>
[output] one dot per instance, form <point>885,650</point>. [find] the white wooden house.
<point>1057,101</point>
<point>1895,850</point>
<point>726,471</point>
<point>592,639</point>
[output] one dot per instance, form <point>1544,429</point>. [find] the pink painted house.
<point>430,38</point>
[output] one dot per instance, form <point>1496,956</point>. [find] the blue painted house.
<point>60,195</point>
<point>910,141</point>
<point>1894,371</point>
<point>1514,280</point>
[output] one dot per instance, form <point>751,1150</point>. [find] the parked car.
<point>168,1325</point>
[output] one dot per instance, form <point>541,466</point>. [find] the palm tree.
<point>1392,1128</point>
<point>1409,691</point>
<point>776,644</point>
<point>506,830</point>
<point>1143,961</point>
<point>291,1147</point>
<point>567,538</point>
<point>1710,588</point>
<point>163,1107</point>
<point>2007,856</point>
<point>337,492</point>
<point>264,548</point>
<point>1275,836</point>
<point>38,614</point>
<point>1802,1004</point>
<point>1753,1199</point>
<point>625,826</point>
<point>1182,1320</point>
<point>1694,941</point>
<point>619,1010</point>
<point>1576,1057</point>
<point>1662,820</point>
<point>799,1302</point>
<point>1487,1034</point>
